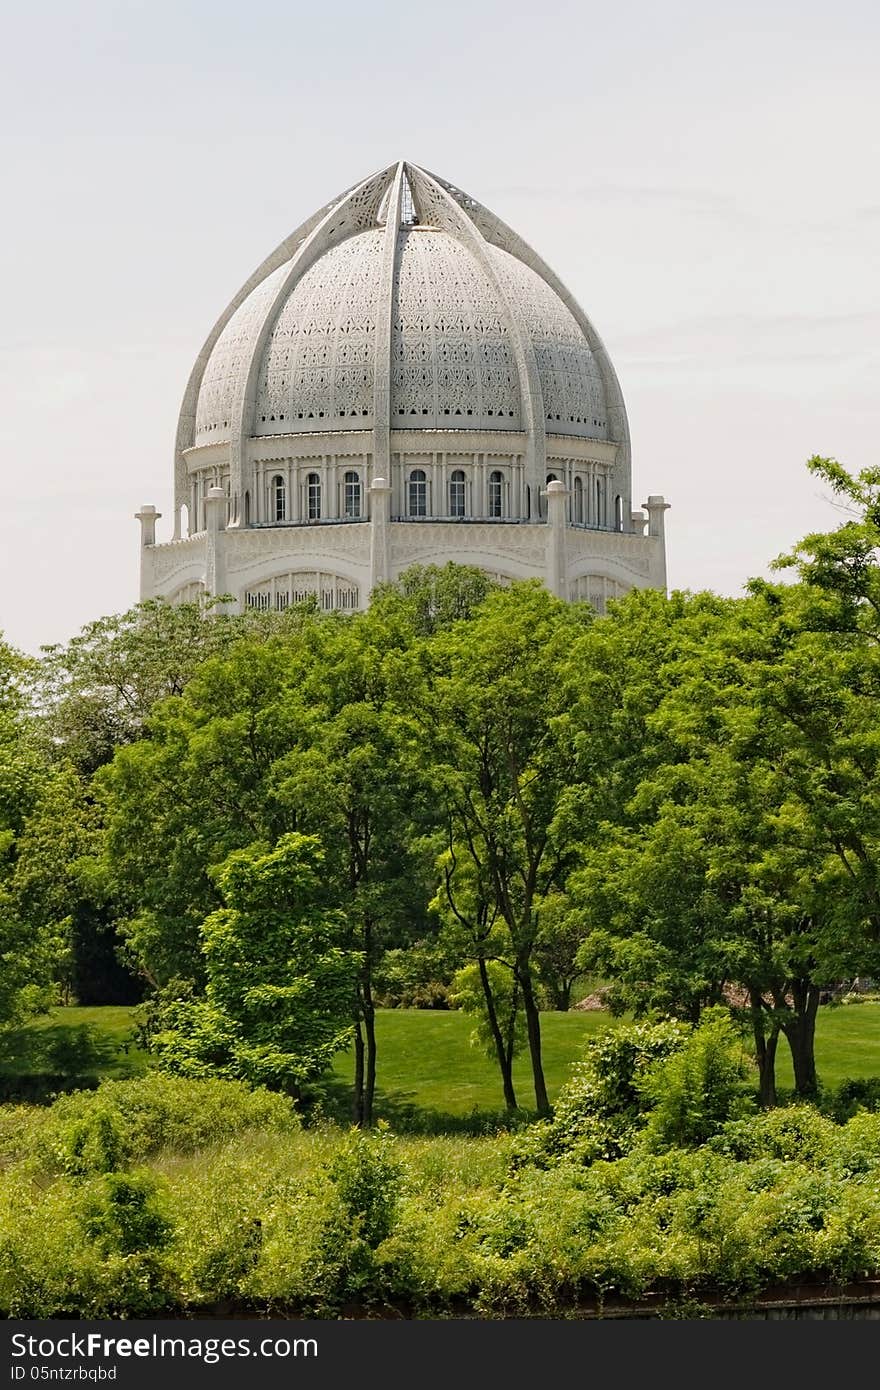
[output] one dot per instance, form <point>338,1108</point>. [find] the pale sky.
<point>704,178</point>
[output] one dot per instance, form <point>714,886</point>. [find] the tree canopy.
<point>681,796</point>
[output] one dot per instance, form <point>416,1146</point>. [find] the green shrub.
<point>19,1126</point>
<point>851,1097</point>
<point>795,1133</point>
<point>693,1092</point>
<point>121,1214</point>
<point>367,1177</point>
<point>94,1139</point>
<point>858,1145</point>
<point>602,1107</point>
<point>417,978</point>
<point>358,1215</point>
<point>127,1121</point>
<point>319,1222</point>
<point>97,1251</point>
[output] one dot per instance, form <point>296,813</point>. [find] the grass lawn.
<point>79,1042</point>
<point>429,1075</point>
<point>426,1063</point>
<point>847,1045</point>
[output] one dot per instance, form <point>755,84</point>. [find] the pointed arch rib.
<point>436,205</point>
<point>290,249</point>
<point>499,234</point>
<point>385,332</point>
<point>355,212</point>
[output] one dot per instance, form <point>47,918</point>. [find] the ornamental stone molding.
<point>403,380</point>
<point>248,547</point>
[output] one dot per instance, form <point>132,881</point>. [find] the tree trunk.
<point>800,1032</point>
<point>561,991</point>
<point>370,1030</point>
<point>533,1029</point>
<point>765,1052</point>
<point>767,1096</point>
<point>503,1053</point>
<point>357,1113</point>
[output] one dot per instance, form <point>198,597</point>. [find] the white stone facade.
<point>403,381</point>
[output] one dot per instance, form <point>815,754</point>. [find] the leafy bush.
<point>367,1178</point>
<point>693,1092</point>
<point>97,1251</point>
<point>121,1214</point>
<point>319,1222</point>
<point>417,978</point>
<point>127,1121</point>
<point>852,1096</point>
<point>359,1214</point>
<point>602,1107</point>
<point>796,1133</point>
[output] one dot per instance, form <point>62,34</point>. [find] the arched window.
<point>618,514</point>
<point>313,497</point>
<point>351,495</point>
<point>279,498</point>
<point>496,494</point>
<point>600,502</point>
<point>579,501</point>
<point>247,509</point>
<point>457,493</point>
<point>418,493</point>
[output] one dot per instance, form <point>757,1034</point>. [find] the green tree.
<point>178,802</point>
<point>357,786</point>
<point>59,891</point>
<point>97,692</point>
<point>429,598</point>
<point>735,859</point>
<point>489,991</point>
<point>277,1004</point>
<point>485,696</point>
<point>843,563</point>
<point>486,984</point>
<point>559,941</point>
<point>25,953</point>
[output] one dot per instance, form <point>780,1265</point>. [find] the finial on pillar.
<point>147,516</point>
<point>215,509</point>
<point>215,551</point>
<point>655,507</point>
<point>380,544</point>
<point>555,560</point>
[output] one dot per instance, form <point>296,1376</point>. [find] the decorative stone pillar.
<point>637,523</point>
<point>656,507</point>
<point>555,559</point>
<point>380,540</point>
<point>147,516</point>
<point>215,550</point>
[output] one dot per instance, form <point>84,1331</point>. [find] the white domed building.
<point>403,381</point>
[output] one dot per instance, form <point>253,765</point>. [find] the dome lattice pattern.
<point>300,349</point>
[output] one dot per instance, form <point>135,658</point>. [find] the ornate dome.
<point>407,293</point>
<point>403,381</point>
<point>454,365</point>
